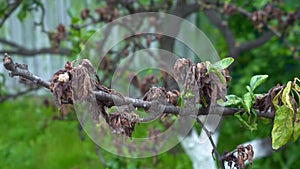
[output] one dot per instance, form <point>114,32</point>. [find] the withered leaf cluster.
<point>206,86</point>
<point>61,87</point>
<point>77,84</point>
<point>123,122</point>
<point>107,13</point>
<point>271,11</point>
<point>144,84</point>
<point>265,102</point>
<point>243,153</point>
<point>161,95</point>
<point>58,36</point>
<point>147,83</point>
<point>229,9</point>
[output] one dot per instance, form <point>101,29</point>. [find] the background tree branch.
<point>12,7</point>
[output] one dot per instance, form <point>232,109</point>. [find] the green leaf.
<point>219,74</point>
<point>296,133</point>
<point>296,86</point>
<point>298,95</point>
<point>26,8</point>
<point>257,80</point>
<point>286,95</point>
<point>275,100</point>
<point>75,20</point>
<point>190,95</point>
<point>231,100</point>
<point>208,66</point>
<point>264,120</point>
<point>248,101</point>
<point>180,101</point>
<point>242,120</point>
<point>223,64</point>
<point>71,12</point>
<point>249,89</point>
<point>22,14</point>
<point>283,127</point>
<point>2,78</point>
<point>3,8</point>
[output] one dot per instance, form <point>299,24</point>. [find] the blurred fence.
<point>26,34</point>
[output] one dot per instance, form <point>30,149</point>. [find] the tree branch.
<point>12,96</point>
<point>215,150</point>
<point>20,50</point>
<point>223,28</point>
<point>11,10</point>
<point>18,70</point>
<point>256,43</point>
<point>35,52</point>
<point>275,32</point>
<point>183,10</point>
<point>10,43</point>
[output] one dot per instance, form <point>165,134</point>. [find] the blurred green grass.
<point>30,139</point>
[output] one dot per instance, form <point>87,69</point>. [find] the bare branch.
<point>10,43</point>
<point>183,9</point>
<point>215,150</point>
<point>35,52</point>
<point>275,32</point>
<point>256,43</point>
<point>41,22</point>
<point>12,96</point>
<point>20,50</point>
<point>222,26</point>
<point>16,70</point>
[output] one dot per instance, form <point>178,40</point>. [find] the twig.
<point>100,155</point>
<point>10,43</point>
<point>275,32</point>
<point>12,96</point>
<point>35,52</point>
<point>41,22</point>
<point>11,10</point>
<point>17,71</point>
<point>234,50</point>
<point>215,150</point>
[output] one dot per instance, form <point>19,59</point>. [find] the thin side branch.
<point>222,26</point>
<point>35,52</point>
<point>6,15</point>
<point>257,42</point>
<point>12,96</point>
<point>215,150</point>
<point>10,43</point>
